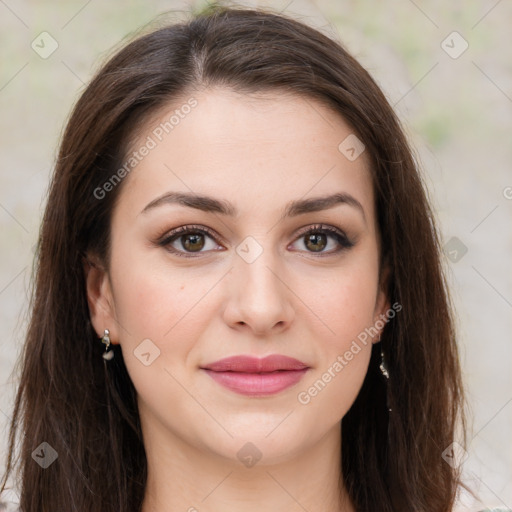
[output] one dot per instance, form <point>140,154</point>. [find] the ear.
<point>382,304</point>
<point>100,298</point>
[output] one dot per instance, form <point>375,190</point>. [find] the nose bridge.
<point>261,298</point>
<point>256,264</point>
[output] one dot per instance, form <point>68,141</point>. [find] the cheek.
<point>330,392</point>
<point>344,302</point>
<point>159,313</point>
<point>162,311</point>
<point>157,301</point>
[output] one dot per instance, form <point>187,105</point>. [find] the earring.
<point>382,366</point>
<point>384,370</point>
<point>108,354</point>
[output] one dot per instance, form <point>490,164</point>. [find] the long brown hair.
<point>391,461</point>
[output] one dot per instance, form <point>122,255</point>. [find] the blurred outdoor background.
<point>446,67</point>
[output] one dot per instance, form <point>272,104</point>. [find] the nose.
<point>259,297</point>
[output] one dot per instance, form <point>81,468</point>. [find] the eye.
<point>190,239</point>
<point>315,239</point>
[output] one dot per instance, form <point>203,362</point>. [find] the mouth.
<point>251,376</point>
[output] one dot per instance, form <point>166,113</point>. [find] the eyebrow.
<point>292,209</point>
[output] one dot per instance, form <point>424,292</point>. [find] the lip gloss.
<point>257,384</point>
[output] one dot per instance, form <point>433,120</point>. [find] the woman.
<point>237,220</point>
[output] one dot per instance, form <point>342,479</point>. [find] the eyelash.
<point>340,237</point>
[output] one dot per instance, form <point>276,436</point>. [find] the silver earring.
<point>382,365</point>
<point>384,370</point>
<point>108,354</point>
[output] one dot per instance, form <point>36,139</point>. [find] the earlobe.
<point>99,298</point>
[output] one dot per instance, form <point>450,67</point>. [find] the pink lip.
<point>257,377</point>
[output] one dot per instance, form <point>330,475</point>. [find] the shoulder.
<point>9,507</point>
<point>495,510</point>
<point>9,501</point>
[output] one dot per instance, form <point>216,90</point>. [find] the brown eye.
<point>187,240</point>
<point>316,241</point>
<point>192,242</point>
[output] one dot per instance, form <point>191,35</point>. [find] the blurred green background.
<point>456,107</point>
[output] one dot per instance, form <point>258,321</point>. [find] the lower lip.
<point>257,384</point>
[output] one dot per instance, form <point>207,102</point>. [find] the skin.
<point>258,153</point>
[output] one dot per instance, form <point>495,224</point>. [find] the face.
<point>245,274</point>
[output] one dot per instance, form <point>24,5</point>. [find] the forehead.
<point>266,148</point>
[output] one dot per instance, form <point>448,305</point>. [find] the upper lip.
<point>250,364</point>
